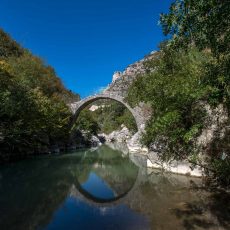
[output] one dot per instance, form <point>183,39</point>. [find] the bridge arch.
<point>77,107</point>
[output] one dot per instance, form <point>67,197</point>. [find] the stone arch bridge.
<point>137,112</point>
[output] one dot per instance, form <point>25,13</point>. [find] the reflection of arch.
<point>82,193</point>
<point>94,199</point>
<point>79,106</point>
<point>79,192</point>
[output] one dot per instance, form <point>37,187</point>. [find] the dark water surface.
<point>105,189</point>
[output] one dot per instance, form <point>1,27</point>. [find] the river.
<point>105,188</point>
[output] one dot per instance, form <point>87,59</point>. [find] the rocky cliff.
<point>122,80</point>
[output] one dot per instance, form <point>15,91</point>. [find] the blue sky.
<point>86,41</point>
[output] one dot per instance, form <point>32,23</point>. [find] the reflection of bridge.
<point>78,192</point>
<point>77,107</point>
<point>164,188</point>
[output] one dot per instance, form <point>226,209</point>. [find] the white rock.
<point>178,167</point>
<point>119,136</point>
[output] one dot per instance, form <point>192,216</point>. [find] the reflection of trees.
<point>33,191</point>
<point>118,172</point>
<point>179,202</point>
<point>210,211</point>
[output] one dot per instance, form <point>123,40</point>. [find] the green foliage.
<point>204,24</point>
<point>174,90</point>
<point>33,111</point>
<point>34,73</point>
<point>109,116</point>
<point>9,47</point>
<point>86,122</point>
<point>191,69</point>
<point>221,169</point>
<point>27,115</point>
<point>219,158</point>
<point>112,115</point>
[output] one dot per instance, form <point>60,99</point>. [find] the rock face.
<point>122,80</point>
<point>124,136</point>
<point>95,141</point>
<point>120,136</point>
<point>134,144</point>
<point>178,167</point>
<point>215,126</point>
<point>116,75</point>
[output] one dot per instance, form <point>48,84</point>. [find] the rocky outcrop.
<point>178,167</point>
<point>122,80</point>
<point>125,137</point>
<point>215,125</point>
<point>95,141</point>
<point>134,144</point>
<point>214,128</point>
<point>122,135</point>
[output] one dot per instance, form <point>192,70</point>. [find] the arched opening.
<point>102,115</point>
<point>88,101</point>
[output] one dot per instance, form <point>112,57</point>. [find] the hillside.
<point>33,103</point>
<point>122,80</point>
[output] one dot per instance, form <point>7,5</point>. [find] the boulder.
<point>95,141</point>
<point>122,135</point>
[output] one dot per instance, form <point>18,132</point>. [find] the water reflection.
<point>103,189</point>
<point>105,175</point>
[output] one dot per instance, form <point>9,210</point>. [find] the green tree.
<point>87,123</point>
<point>174,90</point>
<point>8,47</point>
<point>191,69</point>
<point>33,110</point>
<point>204,24</point>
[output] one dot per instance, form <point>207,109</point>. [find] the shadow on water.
<point>30,191</point>
<point>104,189</point>
<point>214,204</point>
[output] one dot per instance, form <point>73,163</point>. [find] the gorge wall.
<point>122,80</point>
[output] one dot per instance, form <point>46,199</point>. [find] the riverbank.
<point>132,143</point>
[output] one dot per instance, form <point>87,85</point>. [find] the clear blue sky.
<point>85,40</point>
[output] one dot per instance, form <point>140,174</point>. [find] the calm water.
<point>104,189</point>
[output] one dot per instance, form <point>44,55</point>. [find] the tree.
<point>8,47</point>
<point>204,23</point>
<point>87,123</point>
<point>33,110</point>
